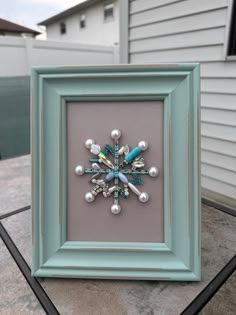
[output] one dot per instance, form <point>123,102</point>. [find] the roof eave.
<point>63,14</point>
<point>20,32</point>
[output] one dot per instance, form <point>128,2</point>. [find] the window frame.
<point>63,28</point>
<point>82,19</point>
<point>231,49</point>
<point>107,7</point>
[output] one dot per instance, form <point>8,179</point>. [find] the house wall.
<point>194,31</point>
<point>97,31</point>
<point>11,34</point>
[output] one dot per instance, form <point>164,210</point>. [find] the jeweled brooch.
<point>121,175</point>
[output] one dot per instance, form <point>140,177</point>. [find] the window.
<point>63,27</point>
<point>109,12</point>
<point>82,21</point>
<point>232,35</point>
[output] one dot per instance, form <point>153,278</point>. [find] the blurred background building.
<point>8,28</point>
<point>90,22</point>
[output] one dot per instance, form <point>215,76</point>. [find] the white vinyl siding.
<point>87,26</point>
<point>195,31</point>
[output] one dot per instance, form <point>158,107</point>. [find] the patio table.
<point>22,295</point>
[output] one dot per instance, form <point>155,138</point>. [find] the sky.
<point>31,12</point>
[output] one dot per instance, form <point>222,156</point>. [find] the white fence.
<point>18,55</point>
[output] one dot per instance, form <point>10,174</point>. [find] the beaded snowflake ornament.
<point>115,174</point>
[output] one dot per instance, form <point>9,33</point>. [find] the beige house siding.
<point>187,31</point>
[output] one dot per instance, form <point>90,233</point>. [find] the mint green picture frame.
<point>178,257</point>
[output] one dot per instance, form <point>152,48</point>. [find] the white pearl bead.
<point>153,171</point>
<point>115,209</point>
<point>143,197</point>
<point>79,170</point>
<point>143,145</point>
<point>115,134</point>
<point>89,197</point>
<point>88,143</point>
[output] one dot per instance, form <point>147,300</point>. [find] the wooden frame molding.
<point>178,257</point>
